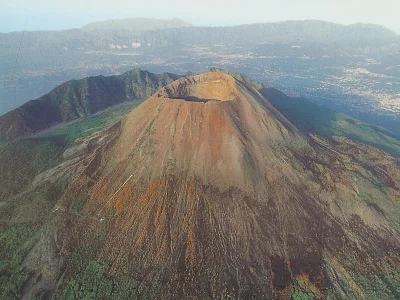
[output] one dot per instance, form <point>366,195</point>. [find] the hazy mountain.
<point>136,24</point>
<point>78,98</point>
<point>283,32</point>
<point>205,190</point>
<point>99,35</point>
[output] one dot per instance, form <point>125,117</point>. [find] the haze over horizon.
<point>48,15</point>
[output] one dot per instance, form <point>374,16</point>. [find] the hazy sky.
<point>61,14</point>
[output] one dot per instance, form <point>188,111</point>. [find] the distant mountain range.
<point>152,33</point>
<point>136,24</point>
<point>353,69</point>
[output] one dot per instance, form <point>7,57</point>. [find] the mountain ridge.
<point>25,121</point>
<point>177,22</point>
<point>78,98</point>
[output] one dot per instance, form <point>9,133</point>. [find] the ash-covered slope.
<point>207,126</point>
<point>209,192</point>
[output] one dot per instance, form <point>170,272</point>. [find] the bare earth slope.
<point>214,194</point>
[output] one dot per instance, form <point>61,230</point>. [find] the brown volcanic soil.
<point>227,141</point>
<point>210,192</point>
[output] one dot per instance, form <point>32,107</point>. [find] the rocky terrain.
<point>206,190</point>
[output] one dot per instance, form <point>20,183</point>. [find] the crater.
<point>214,86</point>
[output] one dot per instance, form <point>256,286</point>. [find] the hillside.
<point>205,190</point>
<point>312,118</point>
<point>78,98</point>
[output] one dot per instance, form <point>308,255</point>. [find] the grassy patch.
<point>15,243</point>
<point>377,288</point>
<point>94,283</point>
<point>25,219</point>
<point>381,281</point>
<point>343,125</point>
<point>298,294</point>
<point>304,289</point>
<point>22,224</point>
<point>87,278</point>
<point>21,160</point>
<point>313,118</point>
<point>88,125</point>
<point>304,283</point>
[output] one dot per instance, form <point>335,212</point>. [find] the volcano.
<point>209,127</point>
<point>206,191</point>
<point>209,192</point>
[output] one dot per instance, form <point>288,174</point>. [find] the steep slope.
<point>209,192</point>
<point>196,118</point>
<point>78,98</point>
<point>206,191</point>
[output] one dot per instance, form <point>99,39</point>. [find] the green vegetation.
<point>22,224</point>
<point>75,99</point>
<point>376,282</point>
<point>304,282</point>
<point>375,288</point>
<point>94,283</point>
<point>22,159</point>
<point>392,278</point>
<point>298,294</point>
<point>304,289</point>
<point>342,125</point>
<point>385,284</point>
<point>88,125</point>
<point>24,220</point>
<point>15,243</point>
<point>85,277</point>
<point>312,118</point>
